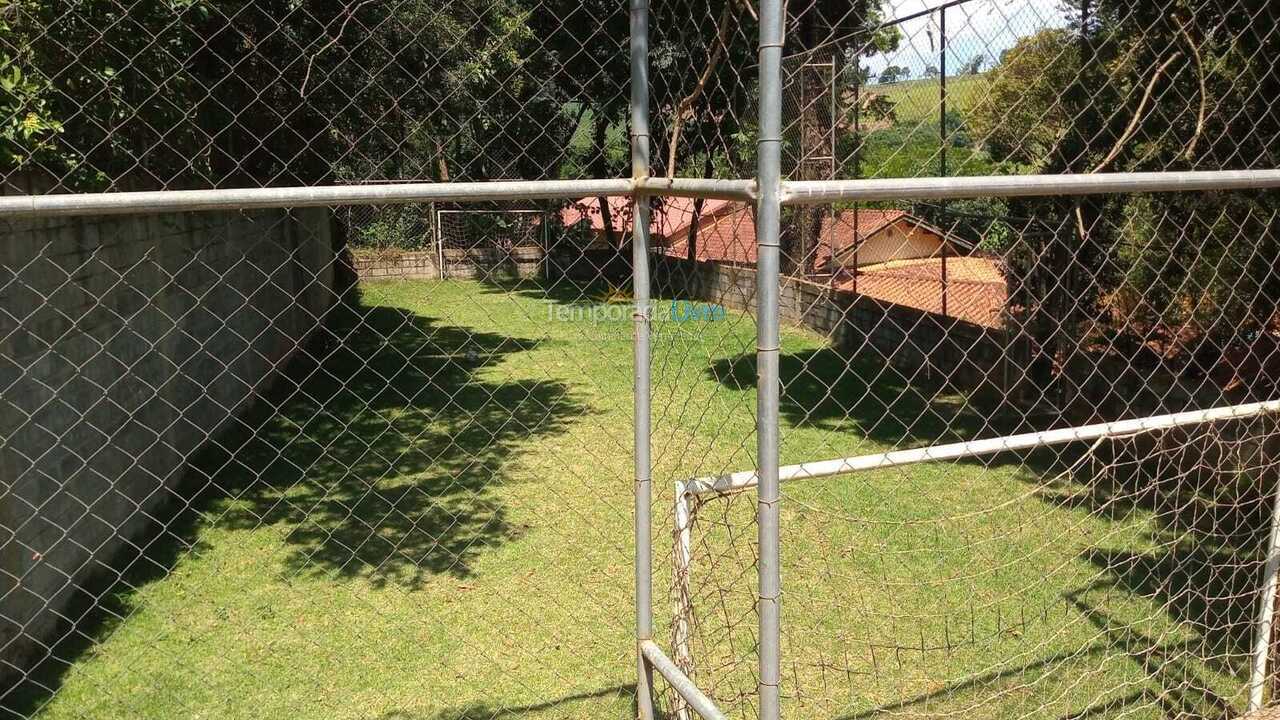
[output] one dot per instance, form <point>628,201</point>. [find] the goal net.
<point>1120,573</point>
<point>490,243</point>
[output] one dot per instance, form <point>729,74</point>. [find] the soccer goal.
<point>490,243</point>
<point>1027,570</point>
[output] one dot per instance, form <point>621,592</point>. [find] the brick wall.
<point>125,343</point>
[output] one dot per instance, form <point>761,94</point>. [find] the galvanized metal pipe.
<point>1266,612</point>
<point>710,188</point>
<point>640,289</point>
<point>680,682</point>
<point>793,192</point>
<point>809,192</point>
<point>313,196</point>
<point>768,211</point>
<point>748,479</point>
<point>683,559</point>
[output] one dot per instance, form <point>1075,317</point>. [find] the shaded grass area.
<point>429,518</point>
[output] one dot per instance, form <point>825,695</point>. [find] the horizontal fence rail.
<point>939,188</point>
<point>318,196</point>
<point>793,193</point>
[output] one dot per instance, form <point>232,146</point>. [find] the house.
<point>862,237</point>
<point>889,255</point>
<point>726,233</point>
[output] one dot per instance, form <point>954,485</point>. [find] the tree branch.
<point>351,11</point>
<point>677,123</point>
<point>1204,92</point>
<point>1137,114</point>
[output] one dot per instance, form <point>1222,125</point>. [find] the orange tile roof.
<point>976,291</point>
<point>725,236</point>
<point>672,216</point>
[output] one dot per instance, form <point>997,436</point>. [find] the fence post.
<point>1266,611</point>
<point>768,210</point>
<point>942,91</point>
<point>640,289</point>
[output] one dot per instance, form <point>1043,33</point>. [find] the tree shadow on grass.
<point>561,291</point>
<point>378,453</point>
<point>381,455</point>
<point>833,391</point>
<point>1208,523</point>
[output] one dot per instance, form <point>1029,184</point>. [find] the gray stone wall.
<point>125,343</point>
<point>458,264</point>
<point>910,340</point>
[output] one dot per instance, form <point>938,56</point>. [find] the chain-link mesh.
<point>376,460</point>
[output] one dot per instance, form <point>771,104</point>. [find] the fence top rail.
<point>937,188</point>
<point>326,195</point>
<point>793,192</point>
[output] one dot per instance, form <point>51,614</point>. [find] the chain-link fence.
<point>523,358</point>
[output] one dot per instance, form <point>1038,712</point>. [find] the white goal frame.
<point>440,214</point>
<point>689,492</point>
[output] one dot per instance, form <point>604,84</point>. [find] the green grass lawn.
<point>432,520</point>
<point>918,100</point>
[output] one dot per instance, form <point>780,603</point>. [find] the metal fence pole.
<point>768,210</point>
<point>640,288</point>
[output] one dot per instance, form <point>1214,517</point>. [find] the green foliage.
<point>893,74</point>
<point>405,227</point>
<point>1204,266</point>
<point>100,92</point>
<point>1019,116</point>
<point>173,93</point>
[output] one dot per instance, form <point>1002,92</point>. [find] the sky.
<point>985,27</point>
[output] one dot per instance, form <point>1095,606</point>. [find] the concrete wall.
<point>910,340</point>
<point>589,265</point>
<point>125,343</point>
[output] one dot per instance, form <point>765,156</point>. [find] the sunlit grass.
<point>436,522</point>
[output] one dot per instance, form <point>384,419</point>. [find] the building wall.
<point>899,241</point>
<point>125,343</point>
<point>458,264</point>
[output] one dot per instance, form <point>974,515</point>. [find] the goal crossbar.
<point>747,479</point>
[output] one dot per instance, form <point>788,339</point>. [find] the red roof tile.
<point>976,291</point>
<point>671,217</point>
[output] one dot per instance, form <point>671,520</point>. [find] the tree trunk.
<point>600,167</point>
<point>691,246</point>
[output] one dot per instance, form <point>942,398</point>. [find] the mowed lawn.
<point>431,519</point>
